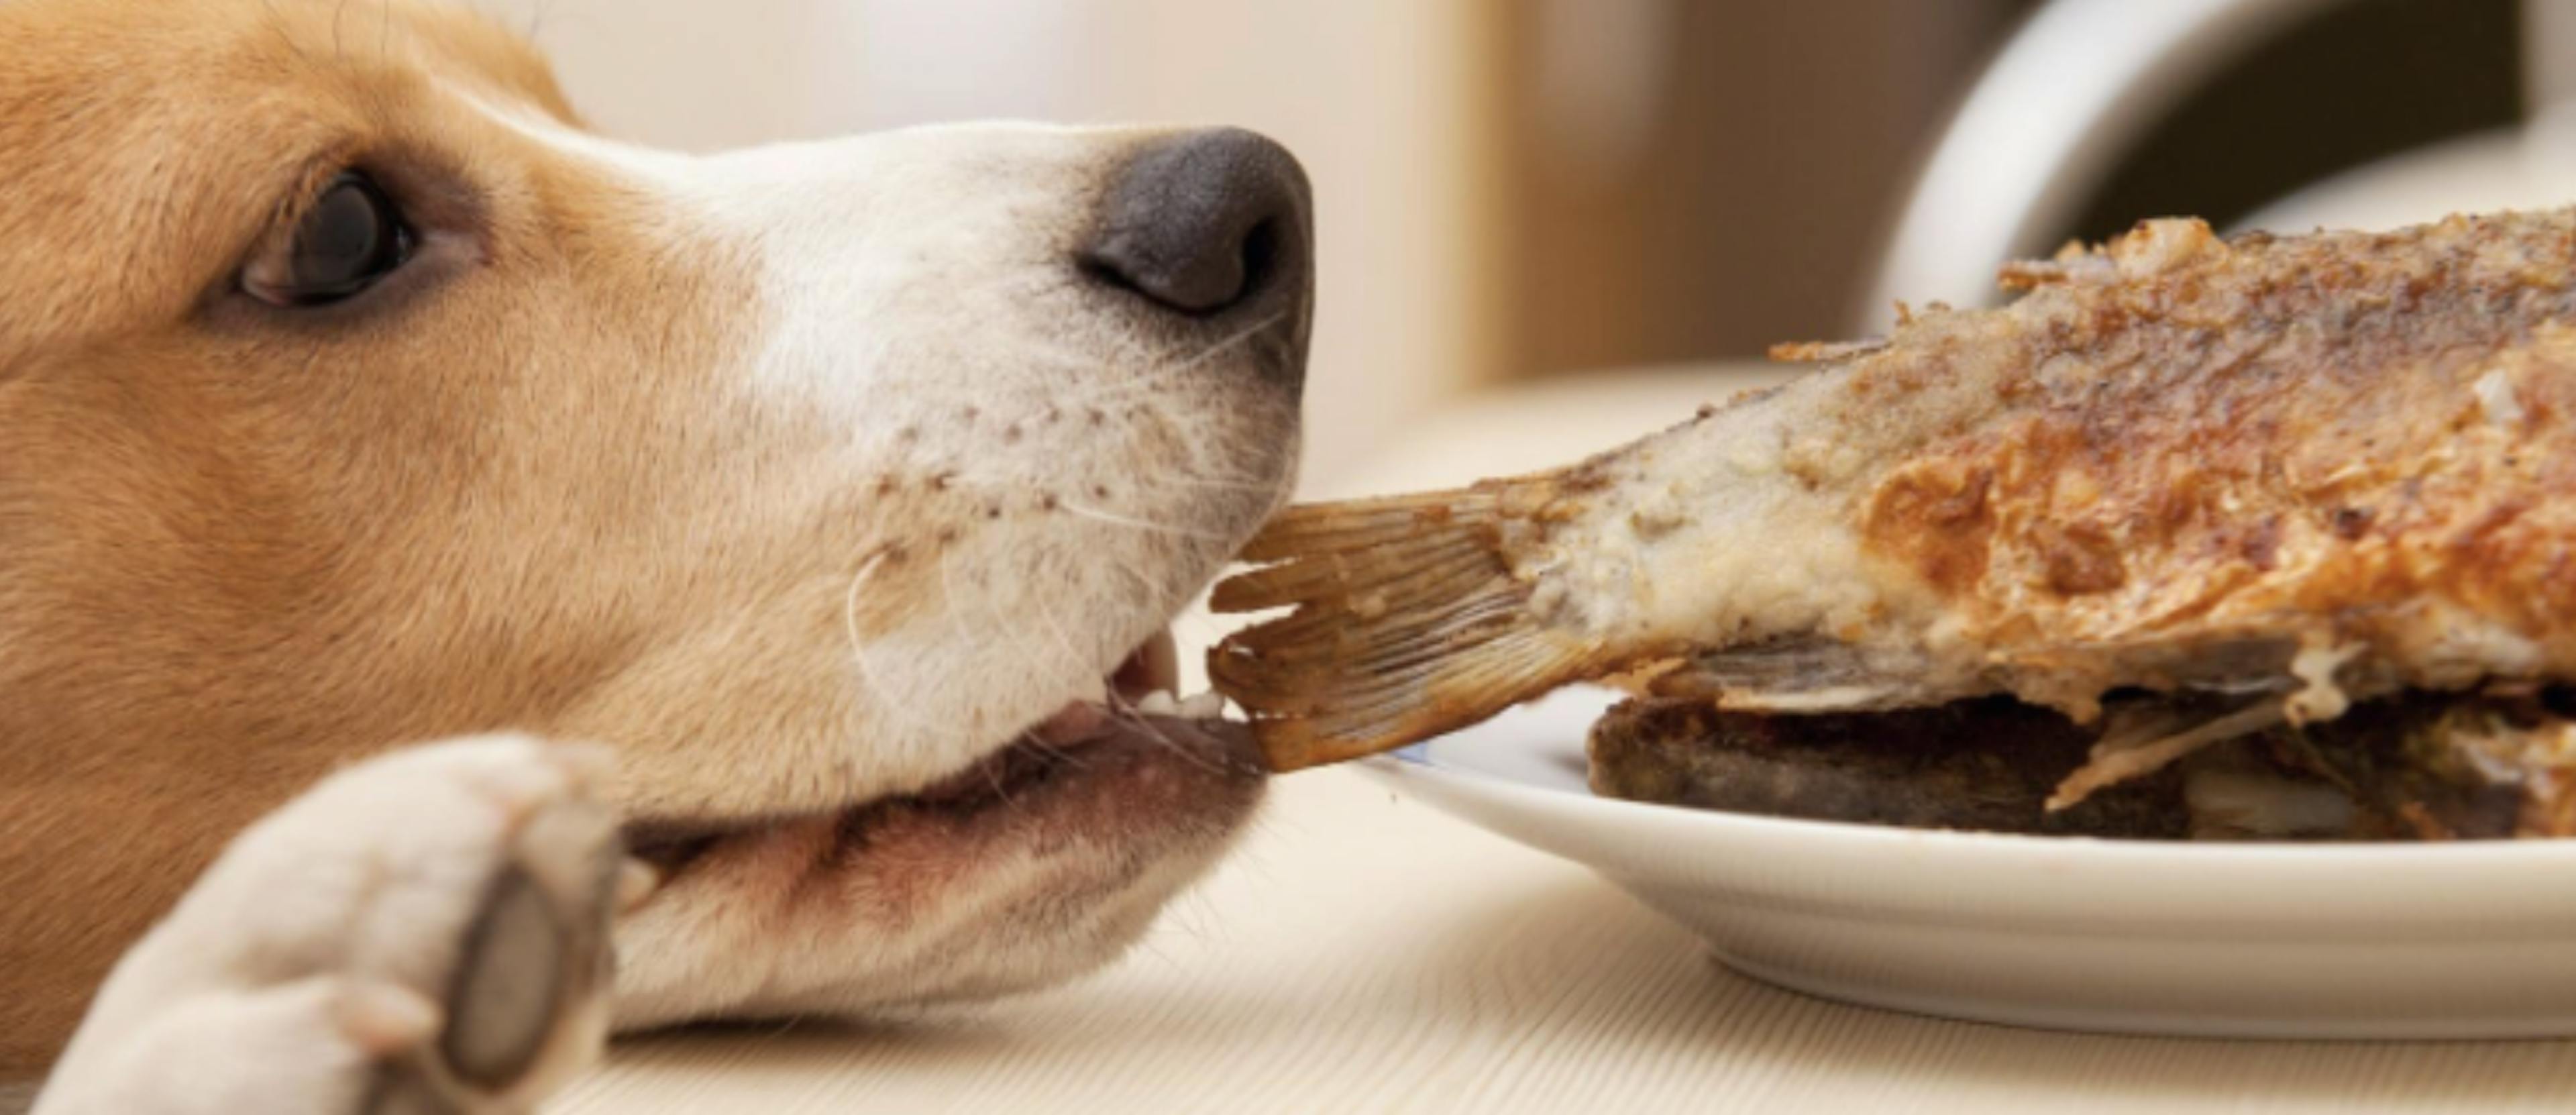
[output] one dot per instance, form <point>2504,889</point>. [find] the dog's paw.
<point>423,933</point>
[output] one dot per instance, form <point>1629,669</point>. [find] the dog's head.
<point>352,395</point>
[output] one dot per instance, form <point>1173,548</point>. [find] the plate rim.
<point>2072,908</point>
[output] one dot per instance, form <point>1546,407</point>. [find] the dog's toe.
<point>523,1003</point>
<point>458,897</point>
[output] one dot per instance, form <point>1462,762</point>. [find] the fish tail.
<point>1407,622</point>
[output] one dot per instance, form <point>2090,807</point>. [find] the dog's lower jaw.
<point>892,905</point>
<point>1020,955</point>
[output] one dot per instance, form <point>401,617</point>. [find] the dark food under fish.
<point>2416,766</point>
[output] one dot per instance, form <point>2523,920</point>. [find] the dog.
<point>807,519</point>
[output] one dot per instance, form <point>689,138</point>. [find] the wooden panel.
<point>1785,132</point>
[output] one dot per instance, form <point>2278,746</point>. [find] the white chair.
<point>2084,80</point>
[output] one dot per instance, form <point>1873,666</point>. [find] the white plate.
<point>2472,939</point>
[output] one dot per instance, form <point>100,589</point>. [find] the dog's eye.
<point>351,236</point>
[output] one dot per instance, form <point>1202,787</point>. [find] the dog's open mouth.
<point>1082,751</point>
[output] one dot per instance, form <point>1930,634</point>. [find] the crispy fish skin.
<point>2326,467</point>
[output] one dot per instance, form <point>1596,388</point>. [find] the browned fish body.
<point>2292,472</point>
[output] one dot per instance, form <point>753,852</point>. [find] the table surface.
<point>1363,952</point>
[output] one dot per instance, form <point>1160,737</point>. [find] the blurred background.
<point>1535,198</point>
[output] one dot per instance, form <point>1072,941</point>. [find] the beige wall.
<point>1383,99</point>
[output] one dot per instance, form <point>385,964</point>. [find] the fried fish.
<point>2216,487</point>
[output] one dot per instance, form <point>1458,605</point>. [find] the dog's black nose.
<point>1205,222</point>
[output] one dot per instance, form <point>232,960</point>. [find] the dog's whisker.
<point>1215,484</point>
<point>949,597</point>
<point>1115,519</point>
<point>1196,448</point>
<point>1210,450</point>
<point>1128,714</point>
<point>1155,591</point>
<point>1220,347</point>
<point>784,1026</point>
<point>1053,753</point>
<point>1202,474</point>
<point>1147,945</point>
<point>1068,357</point>
<point>1229,341</point>
<point>894,707</point>
<point>1154,376</point>
<point>1214,450</point>
<point>1046,619</point>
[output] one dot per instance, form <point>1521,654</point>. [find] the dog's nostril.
<point>1260,253</point>
<point>1203,222</point>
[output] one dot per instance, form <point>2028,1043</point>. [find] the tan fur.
<point>547,480</point>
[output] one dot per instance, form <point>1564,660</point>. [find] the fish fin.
<point>1801,674</point>
<point>1407,623</point>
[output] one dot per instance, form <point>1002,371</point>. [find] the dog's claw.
<point>636,881</point>
<point>382,1019</point>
